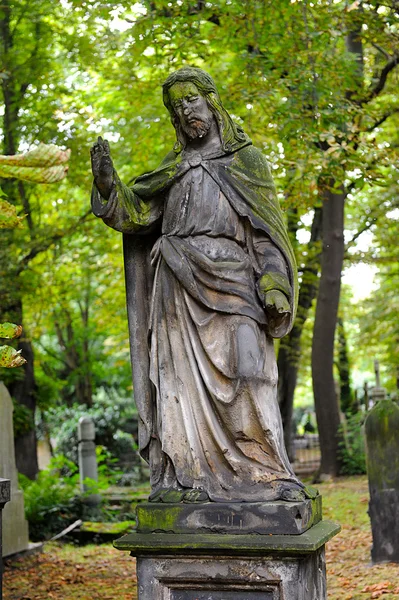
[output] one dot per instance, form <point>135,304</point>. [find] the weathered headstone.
<point>87,458</point>
<point>382,441</point>
<point>5,495</point>
<point>15,526</point>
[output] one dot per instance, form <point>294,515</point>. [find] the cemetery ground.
<point>63,571</point>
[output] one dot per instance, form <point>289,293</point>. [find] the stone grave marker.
<point>382,441</point>
<point>366,396</point>
<point>15,526</point>
<point>87,458</point>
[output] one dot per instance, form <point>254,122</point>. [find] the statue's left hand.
<point>276,304</point>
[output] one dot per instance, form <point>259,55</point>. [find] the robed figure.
<point>211,280</point>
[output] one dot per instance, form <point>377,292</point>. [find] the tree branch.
<point>382,120</point>
<point>371,220</point>
<point>45,245</point>
<point>380,49</point>
<point>53,355</point>
<point>379,86</point>
<point>359,232</point>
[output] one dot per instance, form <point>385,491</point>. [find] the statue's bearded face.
<point>191,109</point>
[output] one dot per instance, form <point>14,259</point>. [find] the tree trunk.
<point>23,391</point>
<point>290,347</point>
<point>346,398</point>
<point>22,388</point>
<point>326,404</point>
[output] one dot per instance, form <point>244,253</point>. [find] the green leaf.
<point>10,358</point>
<point>45,164</point>
<point>8,216</point>
<point>10,330</point>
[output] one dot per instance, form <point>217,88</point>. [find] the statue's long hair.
<point>231,134</point>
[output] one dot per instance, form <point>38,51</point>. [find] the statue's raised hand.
<point>102,167</point>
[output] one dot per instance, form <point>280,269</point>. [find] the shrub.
<point>352,447</point>
<point>108,417</point>
<point>52,501</point>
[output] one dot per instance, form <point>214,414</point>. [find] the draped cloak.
<point>215,422</point>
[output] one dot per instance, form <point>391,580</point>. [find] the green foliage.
<point>8,215</point>
<point>10,331</point>
<point>22,419</point>
<point>109,415</point>
<point>378,329</point>
<point>51,501</point>
<point>76,70</point>
<point>9,357</point>
<point>352,445</point>
<point>44,164</point>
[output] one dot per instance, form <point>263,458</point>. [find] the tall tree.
<point>289,354</point>
<point>32,54</point>
<point>334,196</point>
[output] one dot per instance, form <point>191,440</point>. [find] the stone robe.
<point>209,418</point>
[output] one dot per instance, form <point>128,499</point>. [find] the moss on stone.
<point>382,426</point>
<point>231,545</point>
<point>163,517</point>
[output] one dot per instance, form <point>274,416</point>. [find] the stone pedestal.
<point>15,526</point>
<point>210,551</point>
<point>268,518</point>
<point>5,495</point>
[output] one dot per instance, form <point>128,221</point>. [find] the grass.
<point>350,574</point>
<point>70,573</point>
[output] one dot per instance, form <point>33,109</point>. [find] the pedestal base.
<point>231,567</point>
<point>288,518</point>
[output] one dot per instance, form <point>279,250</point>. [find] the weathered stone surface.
<point>220,595</point>
<point>15,526</point>
<point>87,459</point>
<point>289,518</point>
<point>218,284</point>
<point>188,575</point>
<point>382,426</point>
<point>5,491</point>
<point>236,544</point>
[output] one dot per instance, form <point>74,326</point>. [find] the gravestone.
<point>15,526</point>
<point>87,459</point>
<point>382,441</point>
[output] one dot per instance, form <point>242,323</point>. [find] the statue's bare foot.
<point>167,495</point>
<point>290,492</point>
<point>173,495</point>
<point>195,496</point>
<point>157,495</point>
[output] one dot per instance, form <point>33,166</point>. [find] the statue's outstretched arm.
<point>115,202</point>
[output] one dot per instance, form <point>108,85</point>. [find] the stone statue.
<point>211,280</point>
